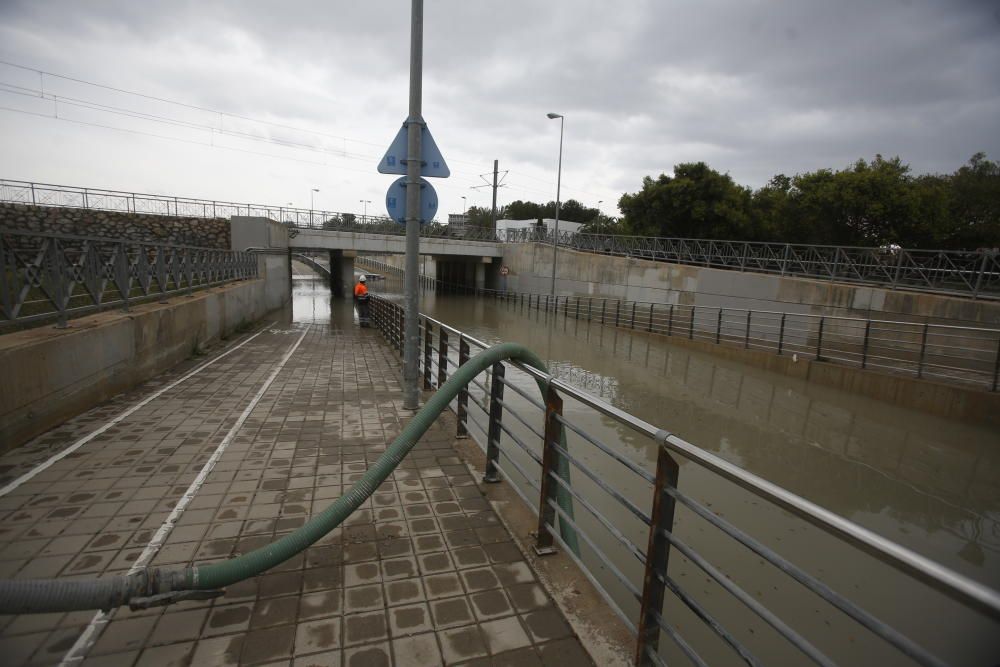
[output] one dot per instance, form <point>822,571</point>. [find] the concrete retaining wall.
<point>50,375</point>
<point>203,232</point>
<point>632,279</point>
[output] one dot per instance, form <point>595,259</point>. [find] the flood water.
<point>928,483</point>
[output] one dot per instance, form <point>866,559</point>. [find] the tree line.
<point>871,203</point>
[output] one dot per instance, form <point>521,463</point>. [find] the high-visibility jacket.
<point>360,290</point>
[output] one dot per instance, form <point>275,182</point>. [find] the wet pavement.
<point>424,573</point>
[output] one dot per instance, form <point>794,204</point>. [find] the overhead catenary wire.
<point>59,99</point>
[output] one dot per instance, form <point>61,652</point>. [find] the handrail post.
<point>694,309</point>
<point>819,340</point>
<point>670,320</point>
<point>548,487</point>
<point>492,473</point>
<point>428,353</point>
<point>746,335</point>
<point>633,315</point>
<point>718,328</point>
<point>864,345</point>
<point>618,308</point>
<point>996,365</point>
<point>400,338</point>
<point>650,325</point>
<point>923,352</point>
<point>781,334</point>
<point>577,307</point>
<point>442,374</point>
<point>657,555</point>
<point>462,409</point>
<point>604,304</point>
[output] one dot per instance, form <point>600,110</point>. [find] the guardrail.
<point>46,194</point>
<point>946,353</point>
<point>519,436</point>
<point>963,273</point>
<point>58,276</point>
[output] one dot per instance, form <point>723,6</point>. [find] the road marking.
<point>90,436</point>
<point>92,632</point>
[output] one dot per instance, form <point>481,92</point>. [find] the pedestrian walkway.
<point>241,452</point>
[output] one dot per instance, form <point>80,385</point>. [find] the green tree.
<point>975,203</point>
<point>696,202</point>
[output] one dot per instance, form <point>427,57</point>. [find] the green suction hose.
<point>156,586</point>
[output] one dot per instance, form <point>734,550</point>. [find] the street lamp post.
<point>555,231</point>
<point>364,209</point>
<point>312,203</point>
<point>465,208</point>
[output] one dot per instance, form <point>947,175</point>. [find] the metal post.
<point>590,308</point>
<point>657,554</point>
<point>670,320</point>
<point>462,411</point>
<point>746,337</point>
<point>650,326</point>
<point>718,328</point>
<point>633,314</point>
<point>492,473</point>
<point>577,307</point>
<point>819,340</point>
<point>864,345</point>
<point>414,124</point>
<point>996,366</point>
<point>781,334</point>
<point>923,350</point>
<point>428,352</point>
<point>555,231</point>
<point>618,307</point>
<point>604,303</point>
<point>691,323</point>
<point>549,487</point>
<point>443,357</point>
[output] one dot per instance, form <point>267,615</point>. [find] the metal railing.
<point>521,438</point>
<point>45,194</point>
<point>945,353</point>
<point>958,272</point>
<point>58,276</point>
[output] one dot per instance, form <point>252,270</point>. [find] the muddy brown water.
<point>928,483</point>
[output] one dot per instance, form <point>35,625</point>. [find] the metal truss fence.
<point>975,274</point>
<point>44,194</point>
<point>58,276</point>
<point>963,273</point>
<point>630,547</point>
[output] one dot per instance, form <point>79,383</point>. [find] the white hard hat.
<point>362,278</point>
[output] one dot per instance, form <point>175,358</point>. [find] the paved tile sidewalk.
<point>423,574</point>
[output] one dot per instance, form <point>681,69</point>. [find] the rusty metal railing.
<point>517,435</point>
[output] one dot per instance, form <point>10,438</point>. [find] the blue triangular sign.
<point>394,161</point>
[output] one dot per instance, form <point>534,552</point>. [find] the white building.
<point>548,223</point>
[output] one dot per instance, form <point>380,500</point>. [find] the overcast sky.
<point>753,88</point>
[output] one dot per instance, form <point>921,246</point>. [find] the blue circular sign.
<point>395,201</point>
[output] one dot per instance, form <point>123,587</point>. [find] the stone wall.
<point>203,232</point>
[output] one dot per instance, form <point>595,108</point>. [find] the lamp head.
<point>553,116</point>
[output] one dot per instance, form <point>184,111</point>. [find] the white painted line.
<point>90,436</point>
<point>83,644</point>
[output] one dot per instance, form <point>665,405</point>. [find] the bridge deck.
<point>423,574</point>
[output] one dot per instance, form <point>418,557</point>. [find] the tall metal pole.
<point>411,333</point>
<point>555,232</point>
<point>493,215</point>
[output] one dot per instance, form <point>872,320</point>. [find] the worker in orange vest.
<point>361,298</point>
<point>360,289</point>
